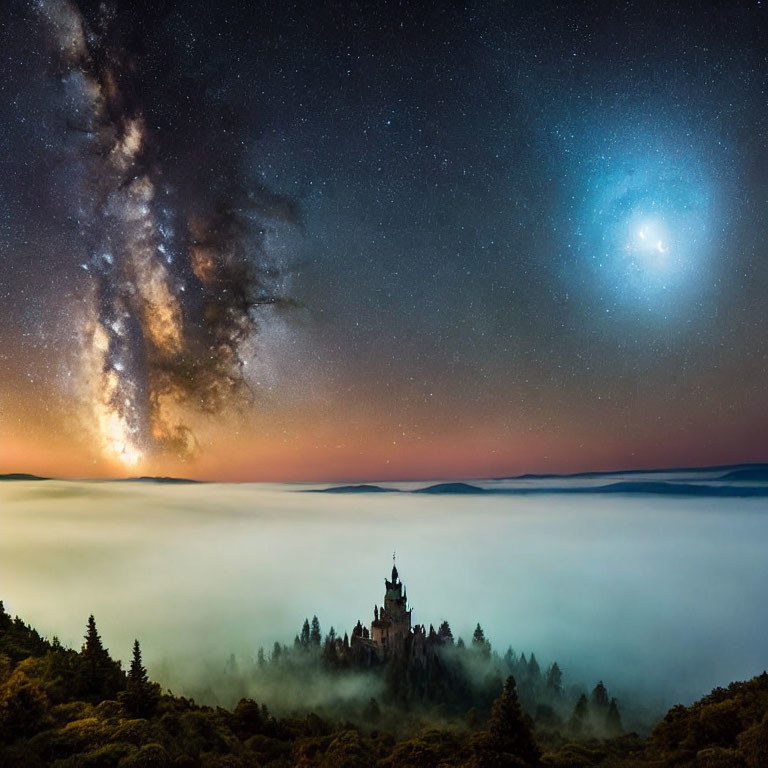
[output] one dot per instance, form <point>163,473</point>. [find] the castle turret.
<point>391,626</point>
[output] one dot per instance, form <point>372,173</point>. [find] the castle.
<point>392,635</point>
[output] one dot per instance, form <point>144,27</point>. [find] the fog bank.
<point>660,596</point>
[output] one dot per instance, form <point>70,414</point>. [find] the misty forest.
<point>431,700</point>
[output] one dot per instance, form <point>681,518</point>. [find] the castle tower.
<point>391,626</point>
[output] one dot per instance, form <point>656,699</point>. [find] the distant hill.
<point>460,488</point>
<point>658,487</point>
<point>168,480</point>
<point>21,476</point>
<point>355,489</point>
<point>724,468</point>
<point>677,489</point>
<point>758,474</point>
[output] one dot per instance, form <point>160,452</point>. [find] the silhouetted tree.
<point>315,636</point>
<point>479,643</point>
<point>99,676</point>
<point>613,720</point>
<point>599,701</point>
<point>277,652</point>
<point>510,730</point>
<point>555,680</point>
<point>534,670</point>
<point>580,714</point>
<point>140,696</point>
<point>5,619</point>
<point>304,638</point>
<point>329,648</point>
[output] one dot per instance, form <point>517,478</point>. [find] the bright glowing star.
<point>646,225</point>
<point>649,248</point>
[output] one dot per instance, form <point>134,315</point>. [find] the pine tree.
<point>5,619</point>
<point>580,714</point>
<point>510,730</point>
<point>137,675</point>
<point>479,643</point>
<point>534,670</point>
<point>92,647</point>
<point>315,636</point>
<point>99,676</point>
<point>555,680</point>
<point>613,723</point>
<point>329,647</point>
<point>444,632</point>
<point>140,696</point>
<point>304,638</point>
<point>599,699</point>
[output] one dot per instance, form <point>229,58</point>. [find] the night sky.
<point>382,240</point>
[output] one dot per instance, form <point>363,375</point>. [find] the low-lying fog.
<point>661,597</point>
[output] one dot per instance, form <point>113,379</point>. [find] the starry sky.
<point>381,240</point>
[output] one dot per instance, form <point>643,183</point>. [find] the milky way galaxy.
<point>346,240</point>
<point>179,255</point>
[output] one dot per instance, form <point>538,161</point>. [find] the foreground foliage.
<point>69,709</point>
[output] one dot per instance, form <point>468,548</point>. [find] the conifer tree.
<point>555,680</point>
<point>510,729</point>
<point>479,643</point>
<point>140,696</point>
<point>599,699</point>
<point>534,670</point>
<point>5,619</point>
<point>92,647</point>
<point>315,636</point>
<point>99,676</point>
<point>580,714</point>
<point>613,723</point>
<point>329,647</point>
<point>137,675</point>
<point>305,634</point>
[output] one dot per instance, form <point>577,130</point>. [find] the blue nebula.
<point>646,226</point>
